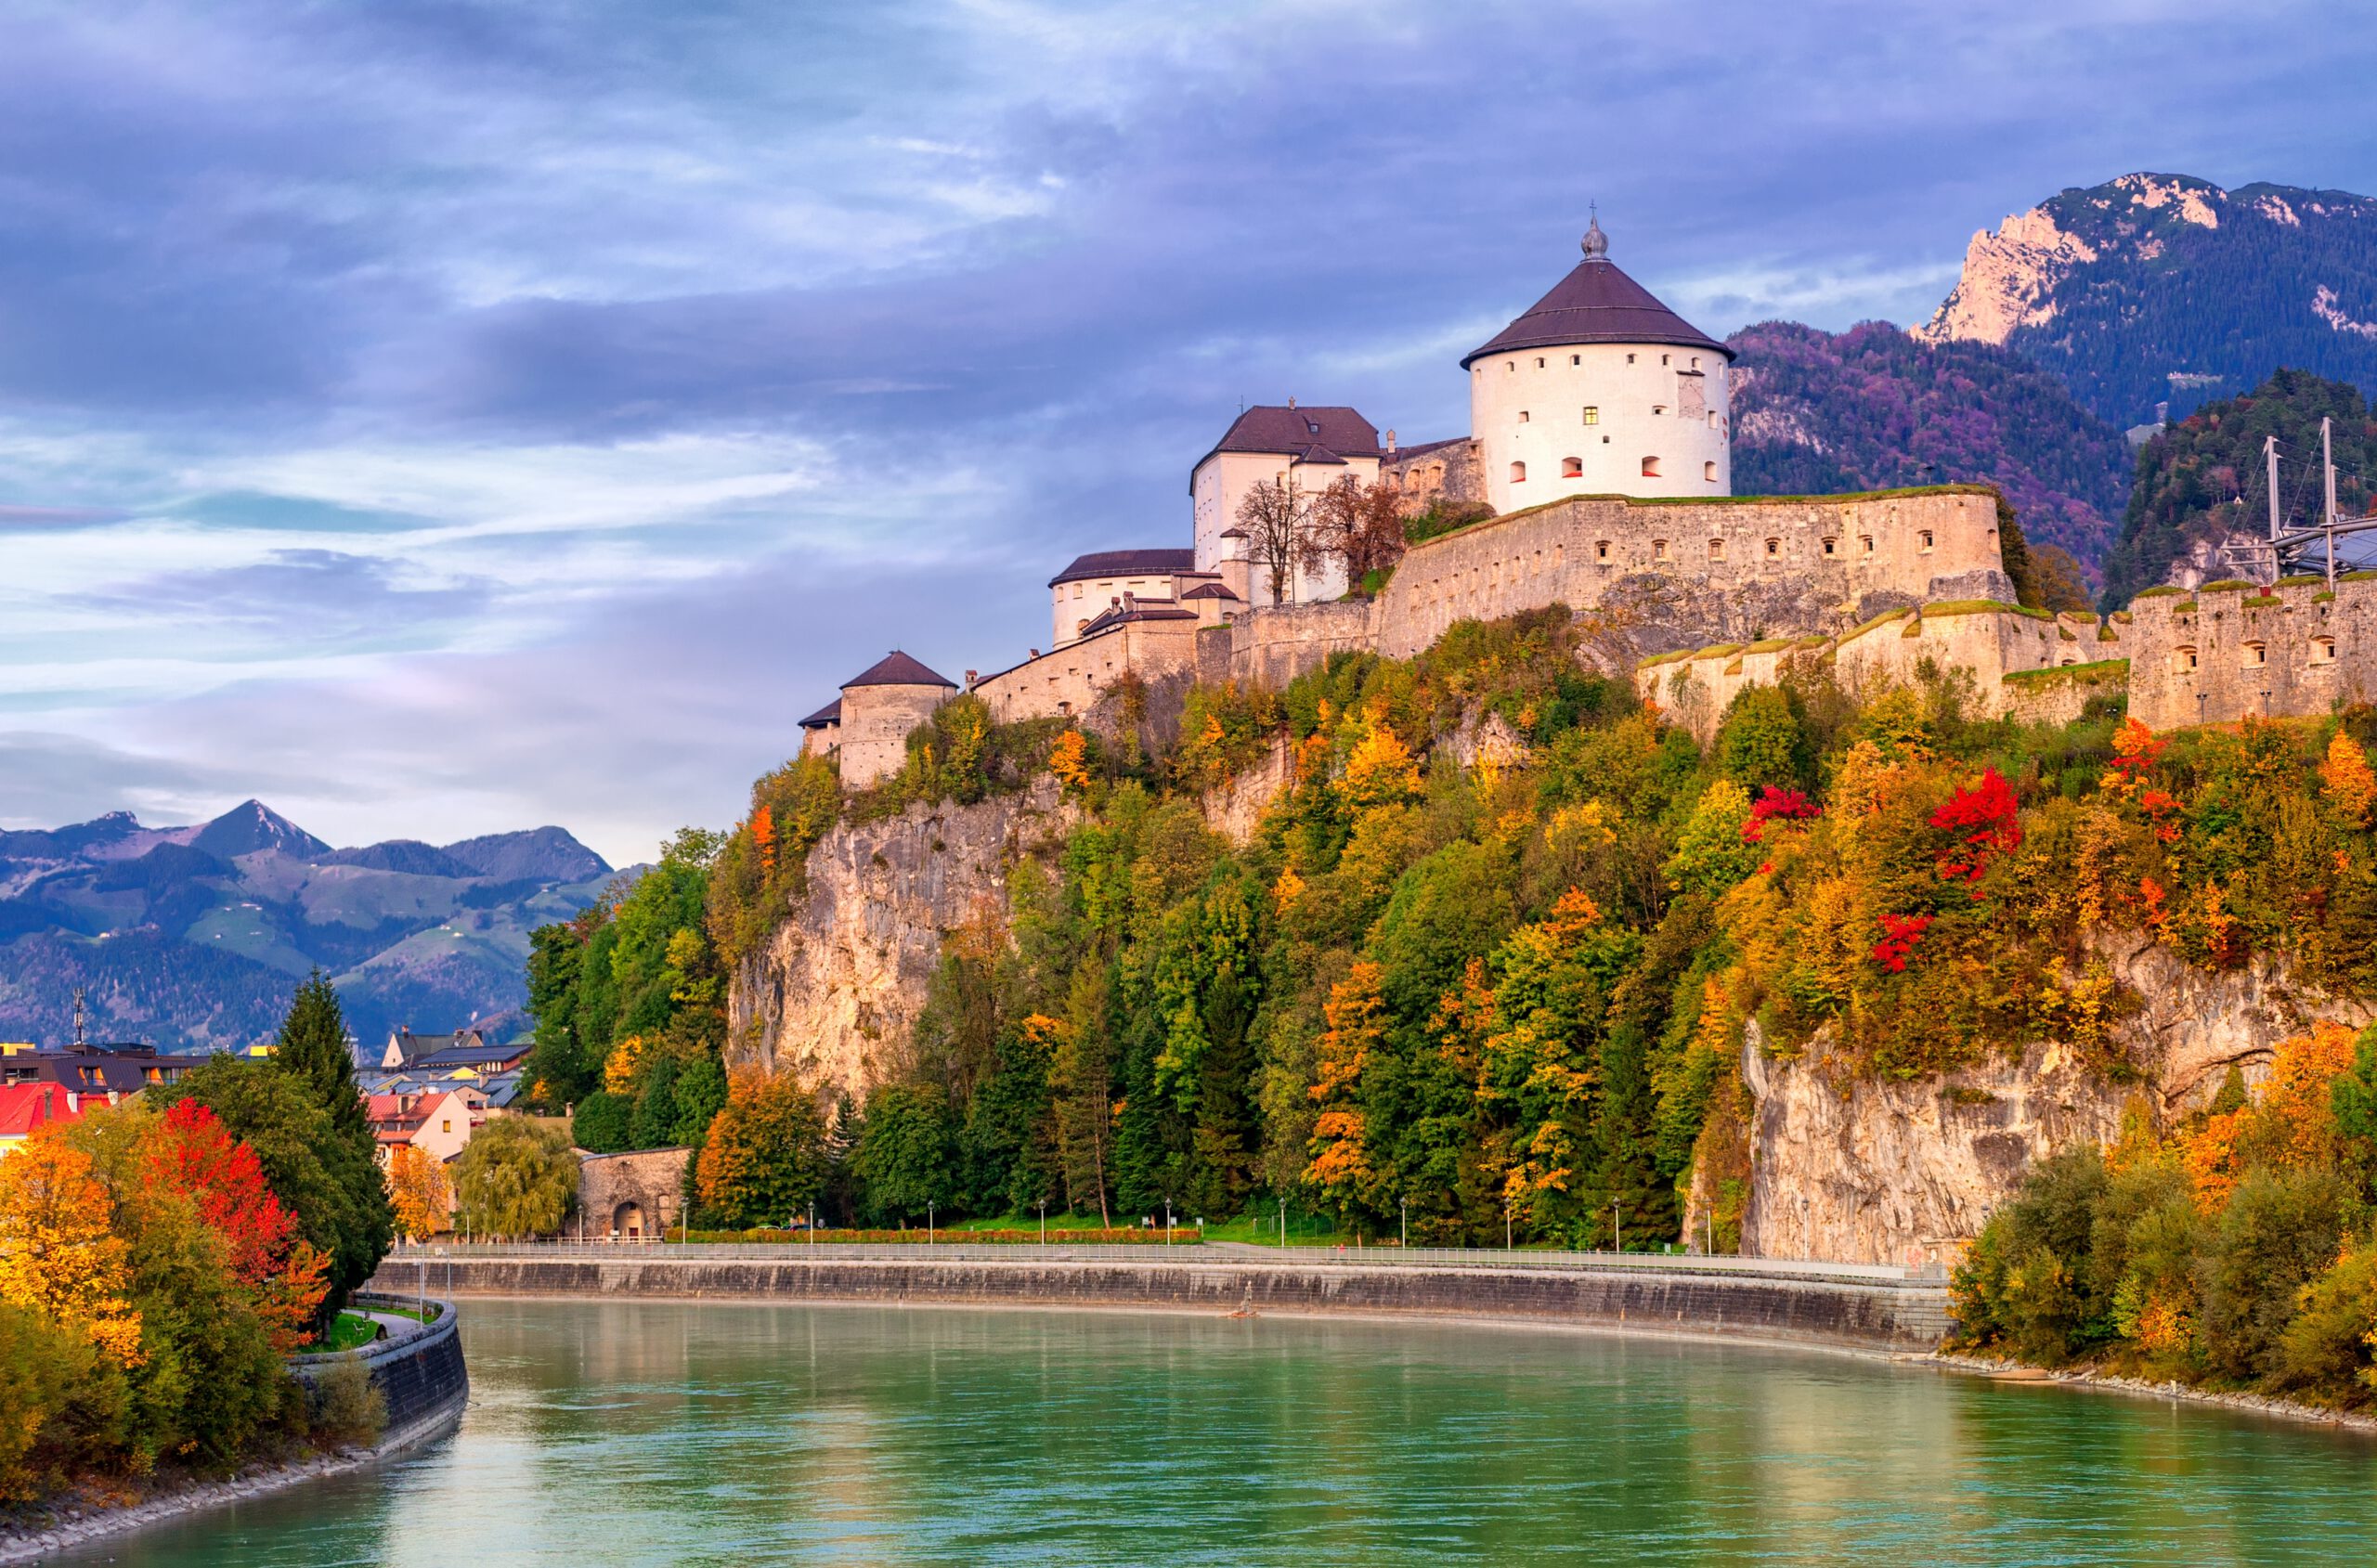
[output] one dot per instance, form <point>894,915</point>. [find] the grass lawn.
<point>350,1331</point>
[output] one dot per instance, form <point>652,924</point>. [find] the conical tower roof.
<point>898,669</point>
<point>1597,304</point>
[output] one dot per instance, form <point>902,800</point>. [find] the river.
<point>662,1433</point>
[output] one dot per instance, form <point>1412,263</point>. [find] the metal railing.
<point>1188,1252</point>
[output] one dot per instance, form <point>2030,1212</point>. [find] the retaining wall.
<point>1862,1312</point>
<point>421,1375</point>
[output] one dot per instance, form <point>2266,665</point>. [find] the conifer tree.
<point>313,1052</point>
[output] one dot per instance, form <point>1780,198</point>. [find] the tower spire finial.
<point>1596,243</point>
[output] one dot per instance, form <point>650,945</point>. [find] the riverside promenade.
<point>1777,1300</point>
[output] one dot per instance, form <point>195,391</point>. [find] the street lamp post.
<point>1506,1225</point>
<point>1044,1221</point>
<point>929,1223</point>
<point>1167,1222</point>
<point>1406,1238</point>
<point>1283,1223</point>
<point>1617,1235</point>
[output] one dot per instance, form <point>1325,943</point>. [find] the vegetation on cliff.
<point>1488,962</point>
<point>2236,1251</point>
<point>2204,478</point>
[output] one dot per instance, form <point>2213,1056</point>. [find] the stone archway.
<point>628,1220</point>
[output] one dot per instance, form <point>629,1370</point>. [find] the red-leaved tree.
<point>193,1153</point>
<point>1987,820</point>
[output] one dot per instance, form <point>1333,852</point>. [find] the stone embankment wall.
<point>2231,651</point>
<point>1867,1313</point>
<point>1846,1167</point>
<point>421,1375</point>
<point>842,977</point>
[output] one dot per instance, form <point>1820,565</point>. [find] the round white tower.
<point>1600,390</point>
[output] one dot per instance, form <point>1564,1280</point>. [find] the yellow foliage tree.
<point>1380,772</point>
<point>2347,780</point>
<point>57,1255</point>
<point>2291,1126</point>
<point>1357,1015</point>
<point>418,1187</point>
<point>619,1070</point>
<point>1068,759</point>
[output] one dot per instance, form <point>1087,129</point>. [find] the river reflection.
<point>634,1432</point>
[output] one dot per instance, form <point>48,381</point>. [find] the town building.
<point>25,1107</point>
<point>1301,450</point>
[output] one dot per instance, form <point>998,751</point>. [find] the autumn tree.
<point>1276,519</point>
<point>59,1253</point>
<point>1080,1074</point>
<point>423,1198</point>
<point>516,1177</point>
<point>1340,1170</point>
<point>764,1159</point>
<point>1359,528</point>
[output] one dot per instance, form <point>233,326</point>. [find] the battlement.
<point>2231,651</point>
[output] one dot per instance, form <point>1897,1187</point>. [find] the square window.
<point>1575,359</point>
<point>1539,361</point>
<point>1593,414</point>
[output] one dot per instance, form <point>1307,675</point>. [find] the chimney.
<point>1129,600</point>
<point>1291,399</point>
<point>970,679</point>
<point>1390,443</point>
<point>1035,653</point>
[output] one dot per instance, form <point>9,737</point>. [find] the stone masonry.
<point>2231,651</point>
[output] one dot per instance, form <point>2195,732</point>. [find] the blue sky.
<point>438,419</point>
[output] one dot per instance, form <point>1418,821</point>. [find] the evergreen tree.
<point>313,1052</point>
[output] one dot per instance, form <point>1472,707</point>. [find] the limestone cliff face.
<point>2009,280</point>
<point>836,987</point>
<point>1859,1170</point>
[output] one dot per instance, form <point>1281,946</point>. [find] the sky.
<point>441,418</point>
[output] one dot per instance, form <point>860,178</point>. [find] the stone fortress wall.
<point>2040,667</point>
<point>2233,650</point>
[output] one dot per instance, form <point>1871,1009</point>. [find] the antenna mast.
<point>2328,463</point>
<point>80,1038</point>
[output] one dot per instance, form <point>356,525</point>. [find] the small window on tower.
<point>1600,550</point>
<point>1712,418</point>
<point>1663,358</point>
<point>1523,416</point>
<point>1629,359</point>
<point>1831,547</point>
<point>1518,474</point>
<point>1539,361</point>
<point>1922,541</point>
<point>1575,359</point>
<point>1658,550</point>
<point>2256,654</point>
<point>1593,414</point>
<point>1695,361</point>
<point>1658,407</point>
<point>2183,658</point>
<point>1708,471</point>
<point>1512,365</point>
<point>2323,650</point>
<point>1650,468</point>
<point>1572,468</point>
<point>1865,544</point>
<point>1773,547</point>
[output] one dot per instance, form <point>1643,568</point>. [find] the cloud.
<point>533,411</point>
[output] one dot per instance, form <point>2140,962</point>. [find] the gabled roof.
<point>466,1056</point>
<point>24,1107</point>
<point>1210,590</point>
<point>897,668</point>
<point>830,714</point>
<point>1597,304</point>
<point>1118,617</point>
<point>1123,562</point>
<point>1289,433</point>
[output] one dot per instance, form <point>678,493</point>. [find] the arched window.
<point>2255,655</point>
<point>1865,544</point>
<point>1658,407</point>
<point>1708,471</point>
<point>1601,553</point>
<point>1650,468</point>
<point>2183,658</point>
<point>1658,550</point>
<point>1923,542</point>
<point>1436,475</point>
<point>1716,550</point>
<point>1572,468</point>
<point>1518,474</point>
<point>2323,650</point>
<point>1831,547</point>
<point>1773,547</point>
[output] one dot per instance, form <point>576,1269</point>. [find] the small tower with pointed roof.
<point>868,726</point>
<point>1599,389</point>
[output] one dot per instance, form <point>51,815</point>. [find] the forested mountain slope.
<point>2163,287</point>
<point>192,938</point>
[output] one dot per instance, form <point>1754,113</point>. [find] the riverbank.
<point>1791,1304</point>
<point>2110,1382</point>
<point>419,1374</point>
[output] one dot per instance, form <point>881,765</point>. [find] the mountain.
<point>252,826</point>
<point>2163,288</point>
<point>2204,478</point>
<point>1872,408</point>
<point>192,938</point>
<point>545,853</point>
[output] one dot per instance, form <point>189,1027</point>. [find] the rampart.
<point>2230,651</point>
<point>1070,680</point>
<point>1863,1308</point>
<point>1746,569</point>
<point>1271,646</point>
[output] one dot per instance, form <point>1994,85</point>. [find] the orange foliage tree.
<point>418,1186</point>
<point>1357,1015</point>
<point>57,1254</point>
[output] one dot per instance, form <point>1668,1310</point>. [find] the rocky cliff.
<point>842,978</point>
<point>1857,1170</point>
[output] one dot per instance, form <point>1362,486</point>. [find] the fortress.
<point>1599,458</point>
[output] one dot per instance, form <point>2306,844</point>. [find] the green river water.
<point>630,1432</point>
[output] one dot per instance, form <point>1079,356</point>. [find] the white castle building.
<point>1597,389</point>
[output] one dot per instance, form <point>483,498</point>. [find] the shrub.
<point>2330,1351</point>
<point>348,1406</point>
